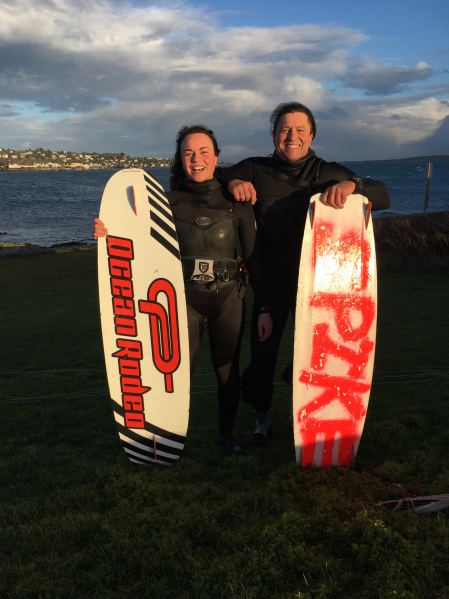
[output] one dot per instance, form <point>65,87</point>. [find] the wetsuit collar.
<point>291,168</point>
<point>202,188</point>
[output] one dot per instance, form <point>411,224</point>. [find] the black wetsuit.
<point>283,194</point>
<point>211,226</point>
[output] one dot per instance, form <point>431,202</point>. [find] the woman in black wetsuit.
<point>211,228</point>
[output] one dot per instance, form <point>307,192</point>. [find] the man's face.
<point>293,136</point>
<point>198,157</point>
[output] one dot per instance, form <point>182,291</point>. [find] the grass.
<point>78,520</point>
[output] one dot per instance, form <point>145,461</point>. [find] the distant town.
<point>41,159</point>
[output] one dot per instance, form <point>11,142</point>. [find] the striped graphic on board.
<point>162,223</point>
<point>151,444</point>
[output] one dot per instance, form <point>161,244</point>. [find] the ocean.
<point>48,208</point>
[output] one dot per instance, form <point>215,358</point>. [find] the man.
<point>280,187</point>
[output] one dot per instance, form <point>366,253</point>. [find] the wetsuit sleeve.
<point>241,170</point>
<point>376,191</point>
<point>249,243</point>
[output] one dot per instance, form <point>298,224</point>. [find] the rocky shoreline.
<point>412,241</point>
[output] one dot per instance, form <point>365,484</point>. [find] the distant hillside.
<point>426,158</point>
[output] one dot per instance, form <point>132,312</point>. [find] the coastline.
<point>410,241</point>
<point>19,249</point>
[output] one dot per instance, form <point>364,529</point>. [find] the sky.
<point>125,75</point>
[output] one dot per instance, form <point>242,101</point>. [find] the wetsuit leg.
<point>225,336</point>
<point>257,380</point>
<point>196,322</point>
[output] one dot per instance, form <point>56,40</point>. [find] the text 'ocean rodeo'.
<point>335,334</point>
<point>163,330</point>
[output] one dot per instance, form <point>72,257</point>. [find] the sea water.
<point>54,207</point>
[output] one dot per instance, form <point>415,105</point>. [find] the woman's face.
<point>198,157</point>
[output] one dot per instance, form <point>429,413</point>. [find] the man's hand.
<point>99,229</point>
<point>264,326</point>
<point>243,191</point>
<point>336,195</point>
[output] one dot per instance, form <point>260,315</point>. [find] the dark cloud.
<point>60,81</point>
<point>8,110</point>
<point>437,143</point>
<point>381,79</point>
<point>334,112</point>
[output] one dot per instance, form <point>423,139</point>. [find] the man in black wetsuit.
<point>280,187</point>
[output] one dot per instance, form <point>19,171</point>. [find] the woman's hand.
<point>99,229</point>
<point>264,326</point>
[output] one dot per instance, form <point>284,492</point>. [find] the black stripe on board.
<point>151,428</point>
<point>164,212</point>
<point>141,454</point>
<point>167,245</point>
<point>153,182</point>
<point>163,225</point>
<point>157,195</point>
<point>131,434</point>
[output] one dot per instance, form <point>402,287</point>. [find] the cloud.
<point>8,110</point>
<point>118,76</point>
<point>435,143</point>
<point>379,79</point>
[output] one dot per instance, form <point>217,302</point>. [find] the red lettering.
<point>129,367</point>
<point>129,352</point>
<point>122,287</point>
<point>129,348</point>
<point>125,326</point>
<point>119,268</point>
<point>133,403</point>
<point>133,420</point>
<point>342,305</point>
<point>344,389</point>
<point>119,247</point>
<point>123,307</point>
<point>133,385</point>
<point>324,346</point>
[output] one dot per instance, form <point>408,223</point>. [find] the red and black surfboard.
<point>144,318</point>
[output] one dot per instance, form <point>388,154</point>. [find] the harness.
<point>202,271</point>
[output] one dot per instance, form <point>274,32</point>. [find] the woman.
<point>211,227</point>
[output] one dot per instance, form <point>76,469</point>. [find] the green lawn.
<point>79,520</point>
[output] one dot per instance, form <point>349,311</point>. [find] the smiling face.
<point>198,157</point>
<point>293,136</point>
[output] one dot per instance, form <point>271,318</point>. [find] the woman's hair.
<point>287,107</point>
<point>177,171</point>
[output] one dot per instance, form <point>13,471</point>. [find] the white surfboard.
<point>144,318</point>
<point>335,332</point>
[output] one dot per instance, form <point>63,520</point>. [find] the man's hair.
<point>287,107</point>
<point>177,170</point>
